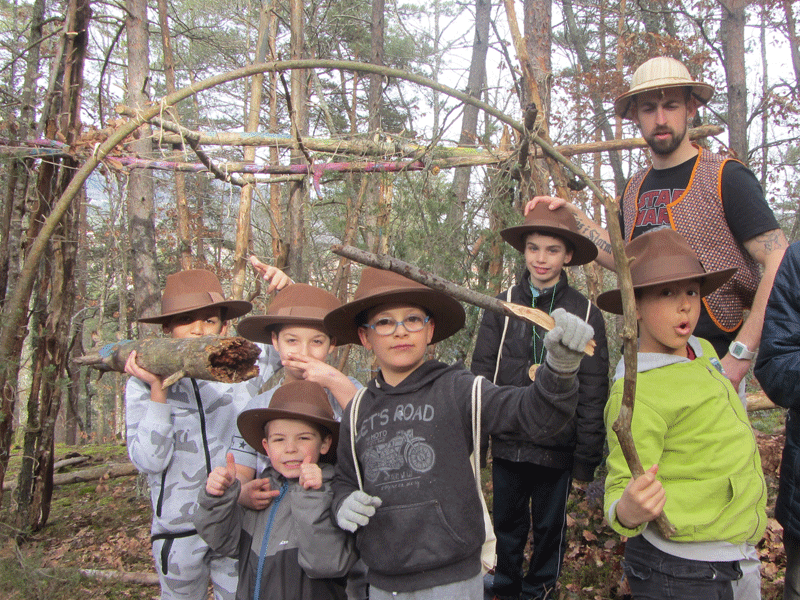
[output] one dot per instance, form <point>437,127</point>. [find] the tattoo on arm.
<point>765,244</point>
<point>592,234</point>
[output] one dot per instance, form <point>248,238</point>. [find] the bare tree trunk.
<point>36,482</point>
<point>297,189</point>
<point>459,191</point>
<point>146,288</point>
<point>181,204</point>
<point>578,41</point>
<point>794,42</point>
<point>72,418</point>
<point>373,199</point>
<point>733,48</point>
<point>13,243</point>
<point>246,196</point>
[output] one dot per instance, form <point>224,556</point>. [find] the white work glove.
<point>356,510</point>
<point>566,341</point>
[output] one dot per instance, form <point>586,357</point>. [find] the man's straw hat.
<point>660,73</point>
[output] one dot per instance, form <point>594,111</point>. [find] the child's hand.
<point>257,494</point>
<point>221,478</point>
<point>156,383</point>
<point>276,278</point>
<point>311,369</point>
<point>642,501</point>
<point>566,341</point>
<point>356,510</point>
<point>310,474</point>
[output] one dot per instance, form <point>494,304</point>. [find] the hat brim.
<point>611,301</point>
<point>251,426</point>
<point>234,309</point>
<point>259,329</point>
<point>447,313</point>
<point>702,91</point>
<point>583,249</point>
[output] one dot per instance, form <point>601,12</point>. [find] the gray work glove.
<point>566,341</point>
<point>356,510</point>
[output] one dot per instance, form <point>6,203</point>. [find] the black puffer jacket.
<point>778,371</point>
<point>580,445</point>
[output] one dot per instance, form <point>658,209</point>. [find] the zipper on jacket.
<point>755,456</point>
<point>203,432</point>
<point>262,555</point>
<point>160,501</point>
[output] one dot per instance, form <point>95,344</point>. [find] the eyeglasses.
<point>387,326</point>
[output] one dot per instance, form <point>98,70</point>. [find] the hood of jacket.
<point>647,361</point>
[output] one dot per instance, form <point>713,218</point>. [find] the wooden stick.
<point>229,360</point>
<point>389,263</point>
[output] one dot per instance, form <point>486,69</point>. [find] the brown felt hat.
<point>303,400</point>
<point>559,223</point>
<point>378,287</point>
<point>660,73</point>
<point>193,289</point>
<point>296,304</point>
<point>663,256</point>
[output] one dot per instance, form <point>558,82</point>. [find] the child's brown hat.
<point>302,400</point>
<point>191,290</point>
<point>663,256</point>
<point>296,304</point>
<point>378,287</point>
<point>560,223</point>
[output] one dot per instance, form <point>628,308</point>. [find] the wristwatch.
<point>738,350</point>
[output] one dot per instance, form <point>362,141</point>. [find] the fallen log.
<point>508,309</point>
<point>121,576</point>
<point>92,474</point>
<point>105,574</point>
<point>225,359</point>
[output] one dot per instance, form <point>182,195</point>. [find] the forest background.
<point>137,139</point>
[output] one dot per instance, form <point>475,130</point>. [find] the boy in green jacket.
<point>690,425</point>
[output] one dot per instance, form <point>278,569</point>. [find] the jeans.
<point>655,575</point>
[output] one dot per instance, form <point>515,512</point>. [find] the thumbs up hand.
<point>310,474</point>
<point>221,478</point>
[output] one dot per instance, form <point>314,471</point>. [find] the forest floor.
<point>104,525</point>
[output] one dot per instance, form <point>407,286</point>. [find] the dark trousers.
<point>653,574</point>
<point>518,485</point>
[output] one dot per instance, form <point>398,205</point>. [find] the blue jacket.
<point>778,371</point>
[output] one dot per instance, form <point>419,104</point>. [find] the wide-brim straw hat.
<point>193,289</point>
<point>296,304</point>
<point>560,223</point>
<point>660,73</point>
<point>303,400</point>
<point>663,256</point>
<point>378,287</point>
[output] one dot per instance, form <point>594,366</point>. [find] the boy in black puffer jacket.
<point>531,477</point>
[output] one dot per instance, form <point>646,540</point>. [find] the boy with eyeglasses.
<point>417,518</point>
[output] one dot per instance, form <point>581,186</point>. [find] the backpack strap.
<point>502,340</point>
<point>356,402</point>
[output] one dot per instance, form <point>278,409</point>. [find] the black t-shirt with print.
<point>746,212</point>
